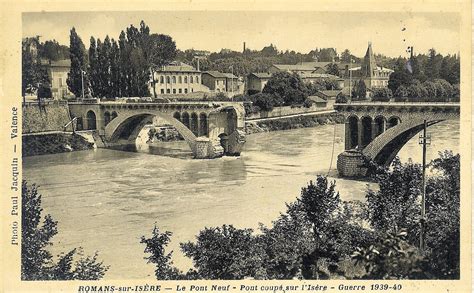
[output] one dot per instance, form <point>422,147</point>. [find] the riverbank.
<point>53,143</point>
<point>284,123</point>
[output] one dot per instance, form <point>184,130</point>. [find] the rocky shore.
<point>292,123</point>
<point>43,144</point>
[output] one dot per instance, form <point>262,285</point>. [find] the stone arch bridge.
<point>377,131</point>
<point>211,129</point>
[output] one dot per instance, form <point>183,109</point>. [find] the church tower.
<point>368,66</point>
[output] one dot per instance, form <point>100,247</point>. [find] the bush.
<point>264,101</point>
<point>44,92</point>
<point>342,98</point>
<point>382,95</point>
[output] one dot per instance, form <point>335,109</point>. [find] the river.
<point>105,200</point>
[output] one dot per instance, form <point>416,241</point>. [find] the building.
<point>57,73</point>
<point>178,78</point>
<point>219,82</point>
<point>257,81</point>
<point>318,101</point>
<point>308,71</point>
<point>374,76</point>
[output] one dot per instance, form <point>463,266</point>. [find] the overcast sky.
<point>299,31</point>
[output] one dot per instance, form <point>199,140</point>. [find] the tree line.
<point>321,236</point>
<point>118,68</point>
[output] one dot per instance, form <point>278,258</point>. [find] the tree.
<point>34,76</point>
<point>159,50</point>
<point>400,76</point>
<point>333,69</point>
<point>264,101</point>
<point>36,261</point>
<point>224,253</point>
<point>395,205</point>
<point>433,64</point>
<point>346,56</point>
<point>382,94</point>
<point>94,70</point>
<point>156,247</point>
<point>286,88</point>
<point>359,92</point>
<point>76,80</point>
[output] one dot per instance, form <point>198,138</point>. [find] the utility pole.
<point>350,80</point>
<point>424,140</point>
<point>232,82</point>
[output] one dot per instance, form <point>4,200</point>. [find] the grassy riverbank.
<point>43,144</point>
<point>292,123</point>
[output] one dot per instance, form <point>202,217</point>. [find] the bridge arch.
<point>113,116</point>
<point>379,125</point>
<point>193,123</point>
<point>185,119</point>
<point>366,124</point>
<point>383,149</point>
<point>203,125</point>
<point>127,127</point>
<point>353,131</point>
<point>91,120</point>
<point>393,121</point>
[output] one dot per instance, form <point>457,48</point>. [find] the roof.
<point>178,67</point>
<point>58,63</point>
<point>331,93</point>
<point>317,99</point>
<point>378,68</point>
<point>294,67</point>
<point>319,75</point>
<point>261,75</point>
<point>217,74</point>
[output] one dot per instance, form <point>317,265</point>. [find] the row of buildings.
<point>178,79</point>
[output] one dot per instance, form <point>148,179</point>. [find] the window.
<point>185,91</point>
<point>174,91</point>
<point>197,79</point>
<point>180,91</point>
<point>168,91</point>
<point>185,79</point>
<point>162,91</point>
<point>167,79</point>
<point>162,79</point>
<point>174,79</point>
<point>192,90</point>
<point>180,79</point>
<point>191,79</point>
<point>60,82</point>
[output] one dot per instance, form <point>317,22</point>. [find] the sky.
<point>390,32</point>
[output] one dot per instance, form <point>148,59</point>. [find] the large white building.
<point>178,78</point>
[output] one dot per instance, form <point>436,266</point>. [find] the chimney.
<point>244,48</point>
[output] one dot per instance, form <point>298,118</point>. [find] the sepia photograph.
<point>189,145</point>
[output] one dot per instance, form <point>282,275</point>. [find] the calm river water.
<point>105,200</point>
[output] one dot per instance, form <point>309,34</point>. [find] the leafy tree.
<point>159,50</point>
<point>395,205</point>
<point>346,56</point>
<point>264,101</point>
<point>52,50</point>
<point>224,253</point>
<point>94,69</point>
<point>162,260</point>
<point>342,98</point>
<point>333,69</point>
<point>400,76</point>
<point>286,87</point>
<point>382,94</point>
<point>78,65</point>
<point>401,94</point>
<point>359,92</point>
<point>33,75</point>
<point>36,261</point>
<point>391,257</point>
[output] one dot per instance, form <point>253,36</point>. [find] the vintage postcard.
<point>235,146</point>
